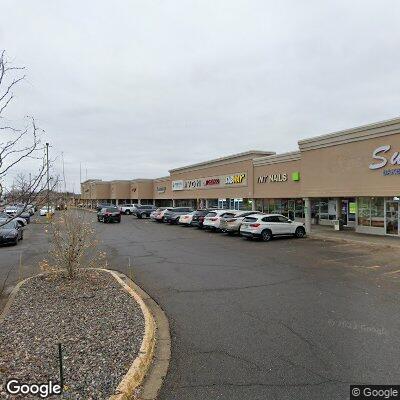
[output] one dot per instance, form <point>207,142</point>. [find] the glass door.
<point>392,218</point>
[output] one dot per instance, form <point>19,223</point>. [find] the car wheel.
<point>119,221</point>
<point>300,232</point>
<point>22,236</point>
<point>266,235</point>
<point>98,219</point>
<point>127,212</point>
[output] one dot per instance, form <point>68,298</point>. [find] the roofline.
<point>222,159</point>
<point>363,132</point>
<point>278,158</point>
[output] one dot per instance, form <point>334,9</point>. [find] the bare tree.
<point>74,244</point>
<point>19,144</point>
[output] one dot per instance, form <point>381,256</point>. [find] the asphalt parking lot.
<point>288,319</point>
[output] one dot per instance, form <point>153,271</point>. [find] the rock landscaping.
<point>99,325</point>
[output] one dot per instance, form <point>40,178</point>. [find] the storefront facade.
<point>351,175</point>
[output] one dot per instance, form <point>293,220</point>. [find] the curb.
<point>141,364</point>
<point>353,241</point>
<point>150,367</point>
<point>157,370</point>
<point>11,297</point>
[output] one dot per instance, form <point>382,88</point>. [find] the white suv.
<point>212,220</point>
<point>127,208</point>
<point>266,226</point>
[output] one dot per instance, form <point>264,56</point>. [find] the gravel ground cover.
<point>98,323</point>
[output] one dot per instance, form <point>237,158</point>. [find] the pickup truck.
<point>128,208</point>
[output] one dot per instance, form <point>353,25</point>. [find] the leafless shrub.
<point>74,244</point>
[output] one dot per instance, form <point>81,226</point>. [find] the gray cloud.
<point>132,88</point>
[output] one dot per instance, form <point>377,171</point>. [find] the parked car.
<point>21,221</point>
<point>26,215</point>
<point>109,214</point>
<point>11,232</point>
<point>186,219</point>
<point>144,210</point>
<point>11,210</point>
<point>171,216</point>
<point>31,209</point>
<point>158,214</point>
<point>128,208</point>
<point>212,220</point>
<point>198,218</point>
<point>104,205</point>
<point>266,226</point>
<point>44,211</point>
<point>231,225</point>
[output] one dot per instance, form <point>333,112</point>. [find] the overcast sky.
<point>132,89</point>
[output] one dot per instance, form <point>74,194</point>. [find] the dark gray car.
<point>143,210</point>
<point>171,216</point>
<point>10,232</point>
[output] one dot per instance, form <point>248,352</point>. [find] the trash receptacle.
<point>338,224</point>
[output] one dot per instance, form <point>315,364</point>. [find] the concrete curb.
<point>150,367</point>
<point>11,297</point>
<point>141,364</point>
<point>152,382</point>
<point>353,241</point>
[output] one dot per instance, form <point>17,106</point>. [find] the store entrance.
<point>349,212</point>
<point>392,218</point>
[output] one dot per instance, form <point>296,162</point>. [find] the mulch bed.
<point>99,324</point>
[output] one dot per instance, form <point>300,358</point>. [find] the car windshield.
<point>8,225</point>
<point>211,214</point>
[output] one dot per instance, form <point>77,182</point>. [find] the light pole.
<point>48,180</point>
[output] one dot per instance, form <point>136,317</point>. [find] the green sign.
<point>295,176</point>
<point>352,208</point>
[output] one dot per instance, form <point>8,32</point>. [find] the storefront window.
<point>259,205</point>
<point>299,208</point>
<point>371,211</point>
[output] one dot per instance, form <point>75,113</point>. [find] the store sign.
<point>234,179</point>
<point>237,179</point>
<point>177,185</point>
<point>383,160</point>
<point>161,189</point>
<point>192,184</point>
<point>272,178</point>
<point>133,189</point>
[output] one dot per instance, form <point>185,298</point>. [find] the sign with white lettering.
<point>272,178</point>
<point>237,179</point>
<point>177,185</point>
<point>378,154</point>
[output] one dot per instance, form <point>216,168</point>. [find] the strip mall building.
<point>353,175</point>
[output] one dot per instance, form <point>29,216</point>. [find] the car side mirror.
<point>290,221</point>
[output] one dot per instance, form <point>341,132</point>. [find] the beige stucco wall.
<point>234,191</point>
<point>271,189</point>
<point>120,190</point>
<point>343,170</point>
<point>162,183</point>
<point>102,191</point>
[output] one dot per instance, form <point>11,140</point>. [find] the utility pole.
<point>48,180</point>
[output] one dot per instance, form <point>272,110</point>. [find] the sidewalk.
<point>349,235</point>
